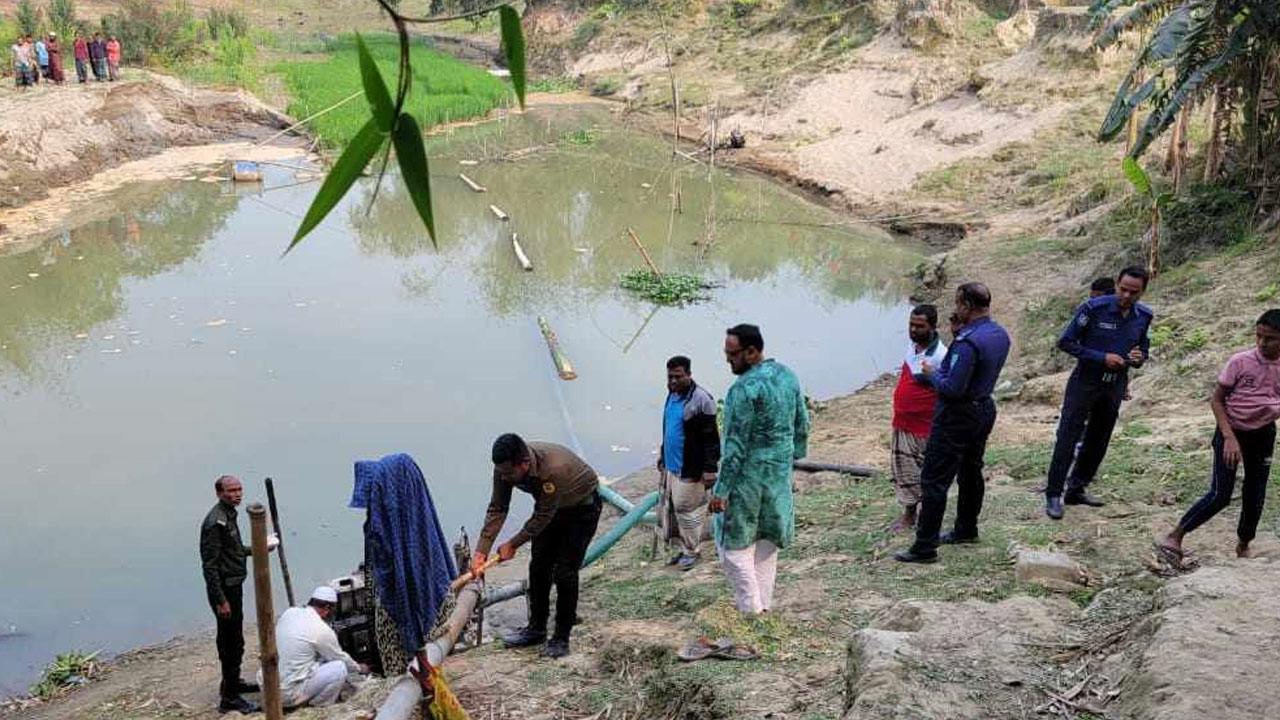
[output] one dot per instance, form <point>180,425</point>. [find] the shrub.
<point>148,34</point>
<point>587,31</point>
<point>28,17</point>
<point>1209,217</point>
<point>62,16</point>
<point>227,22</point>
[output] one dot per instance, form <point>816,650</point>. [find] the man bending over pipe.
<point>566,510</point>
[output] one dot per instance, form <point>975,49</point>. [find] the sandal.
<point>737,652</point>
<point>703,648</point>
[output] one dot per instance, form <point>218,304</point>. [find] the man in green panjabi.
<point>766,428</point>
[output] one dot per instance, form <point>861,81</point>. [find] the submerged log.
<point>524,259</point>
<point>472,183</point>
<point>497,211</point>
<point>563,367</point>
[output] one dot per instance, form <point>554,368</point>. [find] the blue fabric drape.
<point>412,563</point>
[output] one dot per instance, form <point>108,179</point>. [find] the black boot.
<point>556,648</point>
<point>1053,507</point>
<point>244,686</point>
<point>235,703</point>
<point>1080,496</point>
<point>911,556</point>
<point>951,538</point>
<point>525,637</point>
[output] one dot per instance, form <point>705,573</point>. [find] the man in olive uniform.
<point>222,555</point>
<point>566,510</point>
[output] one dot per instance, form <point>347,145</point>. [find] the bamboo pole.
<point>563,367</point>
<point>497,212</point>
<point>652,268</point>
<point>524,259</point>
<point>268,658</point>
<point>477,187</point>
<point>313,116</point>
<point>275,527</point>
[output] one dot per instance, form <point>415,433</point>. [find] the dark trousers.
<point>231,640</point>
<point>957,442</point>
<point>558,552</point>
<point>99,69</point>
<point>1089,411</point>
<point>1256,447</point>
<point>82,70</point>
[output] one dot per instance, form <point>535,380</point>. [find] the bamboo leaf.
<point>339,180</point>
<point>412,157</point>
<point>513,43</point>
<point>1137,176</point>
<point>374,88</point>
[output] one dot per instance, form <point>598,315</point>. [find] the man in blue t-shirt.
<point>687,460</point>
<point>1107,336</point>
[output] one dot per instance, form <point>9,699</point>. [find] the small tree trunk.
<point>1153,256</point>
<point>1213,152</point>
<point>1181,148</point>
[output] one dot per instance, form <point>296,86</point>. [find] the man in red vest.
<point>913,401</point>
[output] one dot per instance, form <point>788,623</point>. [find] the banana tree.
<point>1156,202</point>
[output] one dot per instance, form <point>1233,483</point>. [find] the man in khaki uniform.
<point>566,511</point>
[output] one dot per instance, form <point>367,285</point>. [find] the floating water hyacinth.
<point>669,289</point>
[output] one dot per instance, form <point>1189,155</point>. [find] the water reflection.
<point>74,281</point>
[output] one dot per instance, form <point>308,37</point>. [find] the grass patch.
<point>444,89</point>
<point>231,61</point>
<point>1042,323</point>
<point>651,596</point>
<point>67,670</point>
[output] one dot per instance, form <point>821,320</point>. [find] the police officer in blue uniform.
<point>962,422</point>
<point>1107,336</point>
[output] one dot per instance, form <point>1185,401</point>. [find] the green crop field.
<point>444,89</point>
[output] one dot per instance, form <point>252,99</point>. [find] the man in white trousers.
<point>314,669</point>
<point>766,428</point>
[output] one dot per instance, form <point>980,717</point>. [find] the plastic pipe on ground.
<point>505,593</point>
<point>615,499</point>
<point>403,700</point>
<point>856,470</point>
<point>615,533</point>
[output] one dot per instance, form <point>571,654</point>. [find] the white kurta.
<point>305,642</point>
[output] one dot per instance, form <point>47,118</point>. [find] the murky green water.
<point>144,355</point>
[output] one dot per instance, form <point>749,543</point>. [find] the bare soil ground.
<point>54,136</point>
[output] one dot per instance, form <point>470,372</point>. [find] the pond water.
<point>146,353</point>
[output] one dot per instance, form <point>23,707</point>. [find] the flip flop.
<point>703,648</point>
<point>737,652</point>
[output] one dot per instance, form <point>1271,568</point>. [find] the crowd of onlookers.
<point>41,59</point>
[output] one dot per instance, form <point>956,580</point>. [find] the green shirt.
<point>222,554</point>
<point>766,428</point>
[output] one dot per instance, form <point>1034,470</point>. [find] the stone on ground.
<point>1052,570</point>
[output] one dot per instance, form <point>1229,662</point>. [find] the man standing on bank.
<point>566,511</point>
<point>914,400</point>
<point>687,460</point>
<point>222,556</point>
<point>766,429</point>
<point>962,421</point>
<point>1107,336</point>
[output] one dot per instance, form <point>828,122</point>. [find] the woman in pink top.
<point>1246,404</point>
<point>113,58</point>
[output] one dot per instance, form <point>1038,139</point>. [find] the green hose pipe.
<point>615,533</point>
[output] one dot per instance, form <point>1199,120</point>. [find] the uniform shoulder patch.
<point>548,488</point>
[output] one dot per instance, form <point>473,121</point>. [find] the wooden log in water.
<point>563,367</point>
<point>472,183</point>
<point>497,212</point>
<point>524,259</point>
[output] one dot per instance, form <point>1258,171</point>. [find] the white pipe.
<point>406,694</point>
